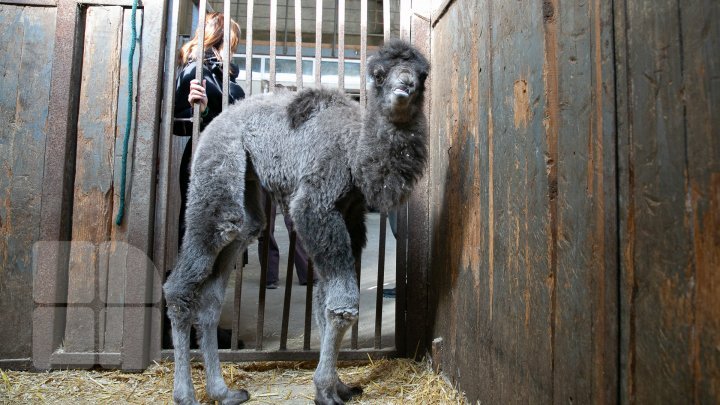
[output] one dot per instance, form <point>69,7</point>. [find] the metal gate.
<point>309,70</point>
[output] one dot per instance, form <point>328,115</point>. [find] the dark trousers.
<point>300,257</point>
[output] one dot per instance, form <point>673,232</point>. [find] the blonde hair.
<point>214,23</point>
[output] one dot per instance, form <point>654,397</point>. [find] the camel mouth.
<point>401,92</point>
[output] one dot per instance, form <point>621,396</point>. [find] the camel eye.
<point>379,75</point>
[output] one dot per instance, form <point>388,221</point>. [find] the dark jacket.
<point>212,74</point>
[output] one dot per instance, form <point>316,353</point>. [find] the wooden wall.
<point>26,46</point>
<point>574,205</point>
<point>63,100</point>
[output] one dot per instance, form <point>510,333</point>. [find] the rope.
<point>128,121</point>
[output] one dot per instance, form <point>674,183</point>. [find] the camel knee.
<point>342,318</point>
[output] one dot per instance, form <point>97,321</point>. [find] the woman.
<point>189,91</point>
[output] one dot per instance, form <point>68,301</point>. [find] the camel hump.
<point>309,102</point>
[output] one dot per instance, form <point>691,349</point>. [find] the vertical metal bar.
<point>380,282</point>
<point>236,304</point>
<point>405,20</point>
<point>161,251</point>
<point>363,52</point>
<point>401,281</point>
<point>264,261</point>
<point>341,44</point>
<point>308,305</point>
<point>298,45</point>
<point>199,59</point>
<point>273,42</point>
<point>318,41</point>
<point>226,55</point>
<point>285,33</point>
<point>354,338</point>
<point>386,20</point>
<point>288,292</point>
<point>249,48</point>
<point>334,31</point>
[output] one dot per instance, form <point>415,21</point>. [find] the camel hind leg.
<point>210,300</point>
<point>215,217</point>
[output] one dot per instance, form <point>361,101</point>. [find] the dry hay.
<point>396,381</point>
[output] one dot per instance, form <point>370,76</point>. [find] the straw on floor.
<point>396,381</point>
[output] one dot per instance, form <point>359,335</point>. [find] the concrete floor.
<point>274,298</point>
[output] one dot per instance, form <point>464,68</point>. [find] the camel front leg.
<point>326,239</point>
<point>339,314</point>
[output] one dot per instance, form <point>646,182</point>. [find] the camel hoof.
<point>235,397</point>
<point>346,392</point>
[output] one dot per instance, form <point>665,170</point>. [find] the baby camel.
<point>324,160</point>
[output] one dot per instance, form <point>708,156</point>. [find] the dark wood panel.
<point>701,83</point>
<point>522,214</point>
<point>668,65</point>
<point>26,43</point>
<point>524,200</point>
<point>94,185</point>
<point>660,310</point>
<point>585,362</point>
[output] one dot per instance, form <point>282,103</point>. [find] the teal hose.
<point>128,121</point>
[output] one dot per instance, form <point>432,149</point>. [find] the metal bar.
<point>226,55</point>
<point>405,20</point>
<point>161,253</point>
<point>386,20</point>
<point>401,281</point>
<point>249,48</point>
<point>273,42</point>
<point>355,328</point>
<point>50,274</point>
<point>298,45</point>
<point>285,33</point>
<point>334,31</point>
<point>288,292</point>
<point>380,282</point>
<point>289,355</point>
<point>308,305</point>
<point>341,44</point>
<point>318,41</point>
<point>363,52</point>
<point>165,143</point>
<point>199,58</point>
<point>264,261</point>
<point>237,302</point>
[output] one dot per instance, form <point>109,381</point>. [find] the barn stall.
<point>564,245</point>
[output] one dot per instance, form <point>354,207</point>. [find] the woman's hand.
<point>197,94</point>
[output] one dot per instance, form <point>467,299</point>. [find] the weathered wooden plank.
<point>523,187</point>
<point>658,268</point>
<point>141,324</point>
<point>27,46</point>
<point>460,296</point>
<point>417,334</point>
<point>112,288</point>
<point>585,317</point>
<point>93,197</point>
<point>700,57</point>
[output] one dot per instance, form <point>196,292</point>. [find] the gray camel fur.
<point>325,161</point>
